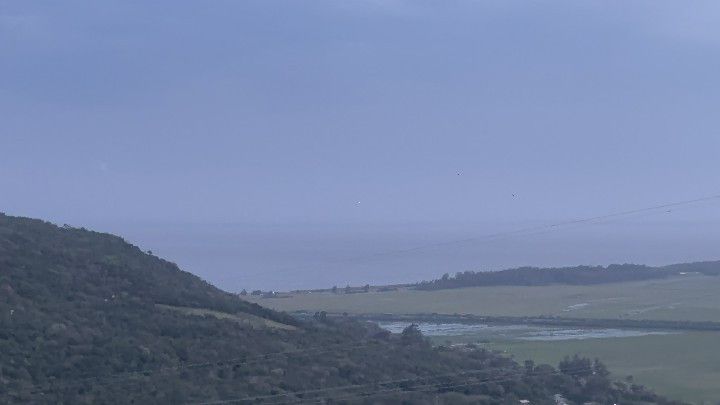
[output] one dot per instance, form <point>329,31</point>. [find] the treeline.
<point>80,324</point>
<point>579,275</point>
<point>708,268</point>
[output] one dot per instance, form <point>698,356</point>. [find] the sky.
<point>467,116</point>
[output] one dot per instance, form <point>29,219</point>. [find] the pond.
<point>518,332</point>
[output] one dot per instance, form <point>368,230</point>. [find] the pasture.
<point>682,365</point>
<point>690,298</point>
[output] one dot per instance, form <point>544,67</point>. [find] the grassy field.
<point>242,318</point>
<point>692,298</point>
<point>682,366</point>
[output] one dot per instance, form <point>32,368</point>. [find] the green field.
<point>691,298</point>
<point>683,366</point>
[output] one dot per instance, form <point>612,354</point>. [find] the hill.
<point>86,317</point>
<point>578,275</point>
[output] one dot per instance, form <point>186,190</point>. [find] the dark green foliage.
<point>84,318</point>
<point>580,275</point>
<point>411,336</point>
<point>706,268</point>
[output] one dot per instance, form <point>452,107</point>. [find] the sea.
<point>285,257</point>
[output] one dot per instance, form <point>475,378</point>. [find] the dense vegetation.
<point>86,317</point>
<point>579,275</point>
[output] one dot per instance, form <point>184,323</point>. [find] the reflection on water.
<point>519,332</point>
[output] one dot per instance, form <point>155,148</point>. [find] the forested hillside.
<point>87,318</point>
<point>579,275</point>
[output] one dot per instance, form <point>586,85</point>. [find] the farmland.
<point>684,365</point>
<point>690,298</point>
<point>681,365</point>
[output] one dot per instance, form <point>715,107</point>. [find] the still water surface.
<point>519,332</point>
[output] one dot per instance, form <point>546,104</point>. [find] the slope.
<point>86,317</point>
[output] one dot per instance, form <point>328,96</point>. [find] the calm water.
<point>284,257</point>
<point>520,332</point>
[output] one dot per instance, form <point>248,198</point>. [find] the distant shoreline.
<point>527,276</point>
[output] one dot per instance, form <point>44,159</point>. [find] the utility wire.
<point>242,360</point>
<point>430,387</point>
<point>339,387</point>
<point>551,226</point>
<point>371,384</point>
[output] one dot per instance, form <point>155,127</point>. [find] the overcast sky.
<point>356,111</point>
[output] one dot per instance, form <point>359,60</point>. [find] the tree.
<point>576,366</point>
<point>412,335</point>
<point>599,368</point>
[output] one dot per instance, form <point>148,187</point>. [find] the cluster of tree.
<point>80,323</point>
<point>351,290</point>
<point>708,268</point>
<point>580,275</point>
<point>260,293</point>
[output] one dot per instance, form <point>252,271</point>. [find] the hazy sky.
<point>297,110</point>
<point>337,112</point>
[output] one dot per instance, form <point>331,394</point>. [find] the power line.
<point>551,226</point>
<point>428,387</point>
<point>366,385</point>
<point>243,360</point>
<point>335,388</point>
<point>369,385</point>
